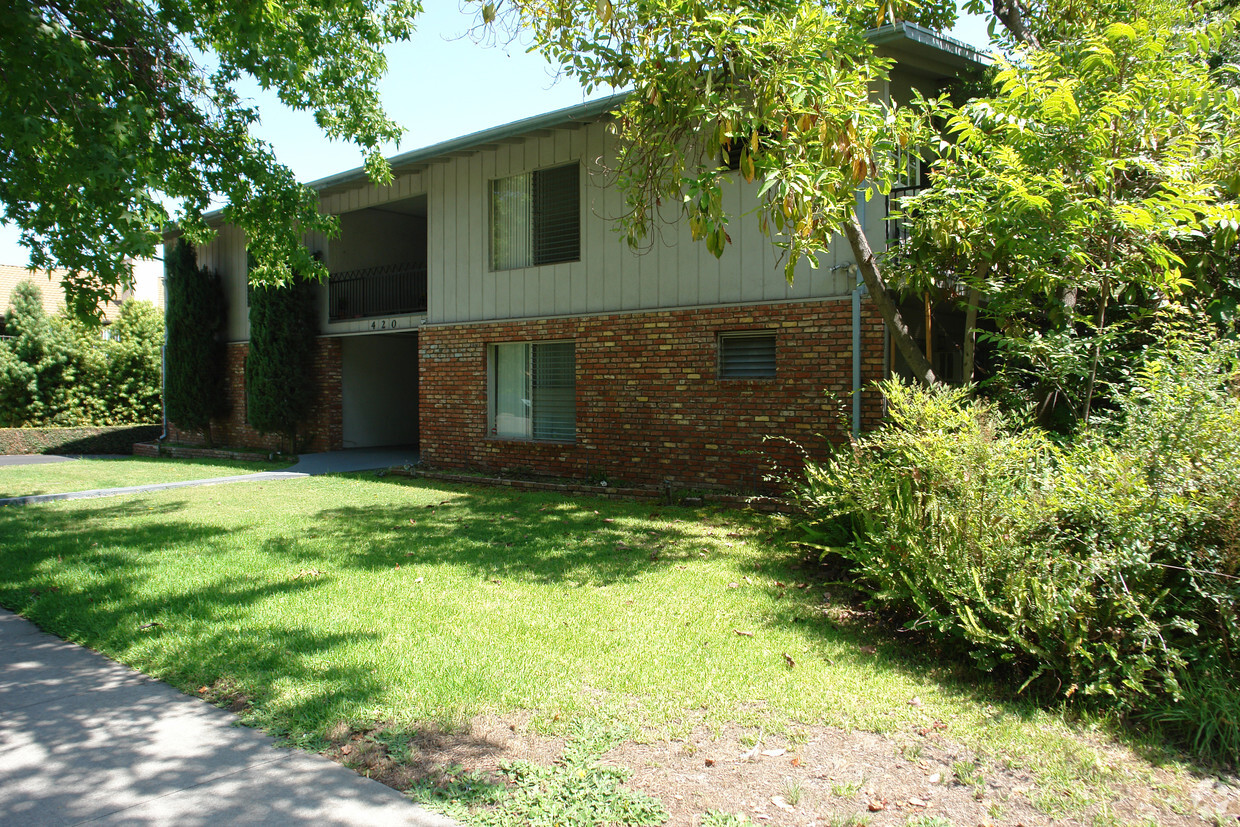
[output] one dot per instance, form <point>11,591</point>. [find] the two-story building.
<point>483,308</point>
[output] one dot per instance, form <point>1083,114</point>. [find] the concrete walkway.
<point>308,465</point>
<point>84,739</point>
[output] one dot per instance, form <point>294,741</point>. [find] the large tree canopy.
<point>109,108</point>
<point>790,82</point>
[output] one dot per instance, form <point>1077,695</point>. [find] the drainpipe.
<point>858,291</point>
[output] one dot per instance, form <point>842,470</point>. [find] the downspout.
<point>858,291</point>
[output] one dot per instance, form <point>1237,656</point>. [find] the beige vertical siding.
<point>671,272</point>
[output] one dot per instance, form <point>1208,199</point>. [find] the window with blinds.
<point>534,391</point>
<point>749,355</point>
<point>536,218</point>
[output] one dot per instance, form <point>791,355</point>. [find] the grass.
<point>86,474</point>
<point>361,599</point>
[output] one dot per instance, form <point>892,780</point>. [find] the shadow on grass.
<point>79,574</point>
<point>501,535</point>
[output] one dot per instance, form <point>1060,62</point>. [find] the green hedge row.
<point>117,440</point>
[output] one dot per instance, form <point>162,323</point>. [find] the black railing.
<point>377,291</point>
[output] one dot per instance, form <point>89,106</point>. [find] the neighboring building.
<point>148,286</point>
<point>482,308</point>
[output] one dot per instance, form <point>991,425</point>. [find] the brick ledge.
<point>154,449</point>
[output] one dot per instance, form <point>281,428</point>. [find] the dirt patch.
<point>827,776</point>
<point>225,693</point>
<point>816,776</point>
<point>437,754</point>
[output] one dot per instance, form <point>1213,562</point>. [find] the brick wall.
<point>325,426</point>
<point>649,405</point>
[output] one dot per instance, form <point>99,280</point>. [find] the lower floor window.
<point>533,392</point>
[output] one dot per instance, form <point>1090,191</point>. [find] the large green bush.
<point>1102,569</point>
<point>58,371</point>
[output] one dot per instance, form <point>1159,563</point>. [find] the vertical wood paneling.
<point>437,253</point>
<point>489,280</point>
<point>475,236</point>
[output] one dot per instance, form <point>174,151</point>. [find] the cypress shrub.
<point>194,363</point>
<point>279,371</point>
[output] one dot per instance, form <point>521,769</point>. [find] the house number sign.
<point>384,324</point>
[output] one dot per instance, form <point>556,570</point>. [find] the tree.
<point>279,375</point>
<point>111,108</point>
<point>133,390</point>
<point>787,81</point>
<point>194,359</point>
<point>1071,196</point>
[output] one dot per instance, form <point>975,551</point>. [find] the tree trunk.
<point>970,333</point>
<point>900,336</point>
<point>1012,16</point>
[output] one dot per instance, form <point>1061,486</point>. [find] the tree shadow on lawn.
<point>582,540</point>
<point>61,569</point>
<point>553,539</point>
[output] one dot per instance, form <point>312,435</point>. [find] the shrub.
<point>1103,568</point>
<point>75,440</point>
<point>195,357</point>
<point>279,375</point>
<point>59,371</point>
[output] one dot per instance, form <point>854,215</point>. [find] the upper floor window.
<point>536,218</point>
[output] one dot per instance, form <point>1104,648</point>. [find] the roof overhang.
<point>914,47</point>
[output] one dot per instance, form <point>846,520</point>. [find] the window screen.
<point>536,218</point>
<point>534,391</point>
<point>747,355</point>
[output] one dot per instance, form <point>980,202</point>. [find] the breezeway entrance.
<point>379,389</point>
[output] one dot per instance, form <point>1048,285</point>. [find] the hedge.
<point>116,440</point>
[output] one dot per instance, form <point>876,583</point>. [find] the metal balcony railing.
<point>377,291</point>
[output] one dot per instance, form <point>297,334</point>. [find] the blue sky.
<point>439,85</point>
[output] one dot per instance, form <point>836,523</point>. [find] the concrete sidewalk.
<point>308,465</point>
<point>84,739</point>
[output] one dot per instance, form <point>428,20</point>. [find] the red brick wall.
<point>325,426</point>
<point>649,404</point>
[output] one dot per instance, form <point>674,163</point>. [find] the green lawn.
<point>364,599</point>
<point>85,474</point>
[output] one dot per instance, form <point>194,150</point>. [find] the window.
<point>748,355</point>
<point>534,391</point>
<point>536,218</point>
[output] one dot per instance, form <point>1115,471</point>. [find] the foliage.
<point>58,371</point>
<point>134,370</point>
<point>114,440</point>
<point>1095,182</point>
<point>279,369</point>
<point>1104,568</point>
<point>194,360</point>
<point>785,84</point>
<point>117,107</point>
